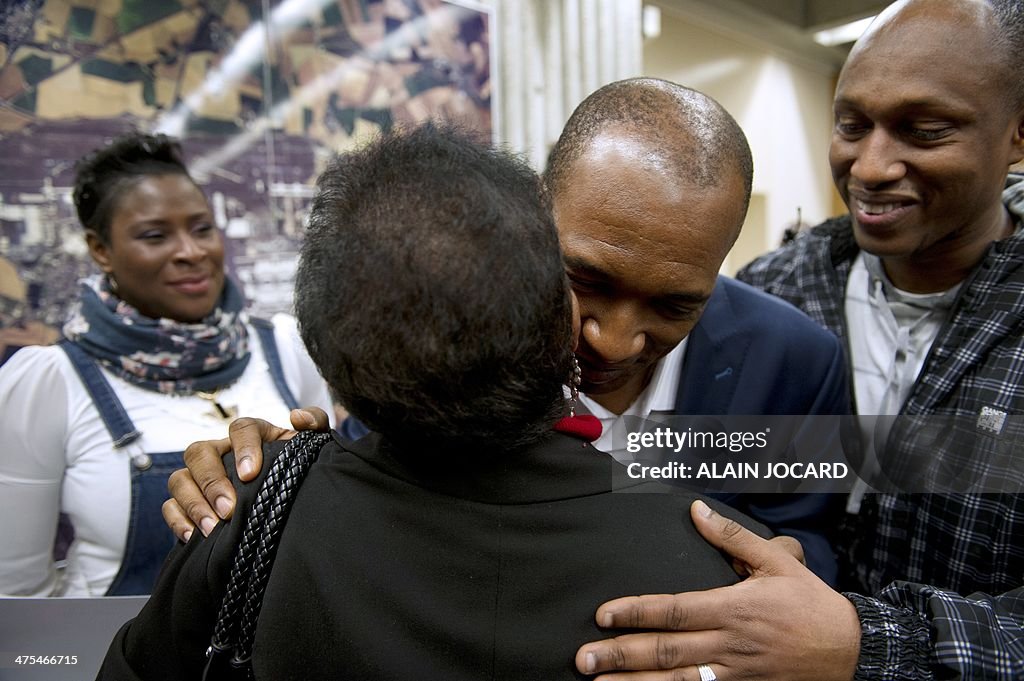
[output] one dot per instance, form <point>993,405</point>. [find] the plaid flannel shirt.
<point>956,544</point>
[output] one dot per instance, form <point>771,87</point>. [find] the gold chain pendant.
<point>220,411</point>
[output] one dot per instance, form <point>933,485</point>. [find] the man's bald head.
<point>1003,19</point>
<point>686,130</point>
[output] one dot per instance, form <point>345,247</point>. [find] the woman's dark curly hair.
<point>432,295</point>
<point>103,176</point>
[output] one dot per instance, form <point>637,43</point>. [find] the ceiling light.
<point>845,33</point>
<point>651,18</point>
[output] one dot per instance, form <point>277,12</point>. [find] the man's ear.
<point>99,250</point>
<point>1017,153</point>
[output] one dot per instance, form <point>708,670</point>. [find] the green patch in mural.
<point>212,126</point>
<point>332,16</point>
<point>255,8</point>
<point>122,73</point>
<point>25,102</point>
<point>149,92</point>
<point>35,68</point>
<point>279,88</point>
<point>381,117</point>
<point>347,119</point>
<point>80,22</point>
<point>138,13</point>
<point>364,9</point>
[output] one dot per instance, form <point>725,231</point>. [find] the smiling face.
<point>642,251</point>
<point>922,142</point>
<point>164,251</point>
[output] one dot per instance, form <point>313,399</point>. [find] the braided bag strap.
<point>229,656</point>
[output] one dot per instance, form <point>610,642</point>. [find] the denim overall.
<point>149,539</point>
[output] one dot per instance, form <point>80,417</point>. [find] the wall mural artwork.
<point>260,92</point>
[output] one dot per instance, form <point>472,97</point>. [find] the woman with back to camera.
<point>464,537</point>
<point>157,352</point>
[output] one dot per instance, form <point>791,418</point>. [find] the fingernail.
<point>245,466</point>
<point>308,418</point>
<point>607,620</point>
<point>188,535</point>
<point>206,525</point>
<point>223,506</point>
<point>704,510</point>
<point>590,663</point>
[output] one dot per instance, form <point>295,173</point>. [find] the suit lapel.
<point>715,354</point>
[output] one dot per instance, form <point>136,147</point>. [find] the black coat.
<point>398,569</point>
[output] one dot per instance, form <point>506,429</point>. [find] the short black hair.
<point>102,176</point>
<point>1009,17</point>
<point>695,133</point>
<point>431,292</point>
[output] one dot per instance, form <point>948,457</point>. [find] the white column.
<point>550,54</point>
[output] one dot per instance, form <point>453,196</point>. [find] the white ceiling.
<point>786,24</point>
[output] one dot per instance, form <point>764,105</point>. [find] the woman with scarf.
<point>157,354</point>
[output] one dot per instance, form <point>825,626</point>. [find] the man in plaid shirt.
<point>924,283</point>
<point>968,544</point>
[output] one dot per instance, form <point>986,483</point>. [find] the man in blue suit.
<point>649,184</point>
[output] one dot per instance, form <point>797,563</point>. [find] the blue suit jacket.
<point>752,353</point>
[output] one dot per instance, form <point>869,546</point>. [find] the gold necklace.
<point>221,410</point>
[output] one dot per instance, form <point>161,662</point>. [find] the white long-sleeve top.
<point>57,456</point>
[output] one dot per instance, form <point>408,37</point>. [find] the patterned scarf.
<point>163,355</point>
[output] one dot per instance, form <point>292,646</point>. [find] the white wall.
<point>782,102</point>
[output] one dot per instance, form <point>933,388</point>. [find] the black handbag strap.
<point>229,657</point>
